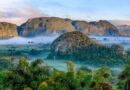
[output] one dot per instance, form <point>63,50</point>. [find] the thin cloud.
<point>21,10</point>
<point>19,16</point>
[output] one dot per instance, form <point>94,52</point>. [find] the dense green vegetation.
<point>97,55</point>
<point>94,55</point>
<point>79,47</point>
<point>102,55</point>
<point>37,75</point>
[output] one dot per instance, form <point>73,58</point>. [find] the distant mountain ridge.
<point>54,25</point>
<point>7,30</point>
<point>45,26</point>
<point>124,29</point>
<point>101,28</point>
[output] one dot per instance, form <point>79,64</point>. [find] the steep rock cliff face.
<point>86,28</point>
<point>101,28</point>
<point>124,30</point>
<point>45,26</point>
<point>54,25</point>
<point>7,30</point>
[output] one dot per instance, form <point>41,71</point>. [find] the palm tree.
<point>70,66</point>
<point>27,74</point>
<point>125,76</point>
<point>101,78</point>
<point>71,69</point>
<point>23,65</point>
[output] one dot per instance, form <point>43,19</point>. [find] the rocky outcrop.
<point>81,25</point>
<point>102,28</point>
<point>45,26</point>
<point>7,30</point>
<point>54,25</point>
<point>124,30</point>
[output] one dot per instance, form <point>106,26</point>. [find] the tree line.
<point>37,75</point>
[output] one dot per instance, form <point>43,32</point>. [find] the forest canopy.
<point>37,75</point>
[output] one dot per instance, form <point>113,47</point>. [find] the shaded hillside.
<point>70,42</point>
<point>104,27</point>
<point>77,46</point>
<point>124,30</point>
<point>7,30</point>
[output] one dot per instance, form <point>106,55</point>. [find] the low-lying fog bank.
<point>124,41</point>
<point>61,65</point>
<point>32,49</point>
<point>108,40</point>
<point>24,41</point>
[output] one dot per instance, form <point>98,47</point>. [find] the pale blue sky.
<point>20,10</point>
